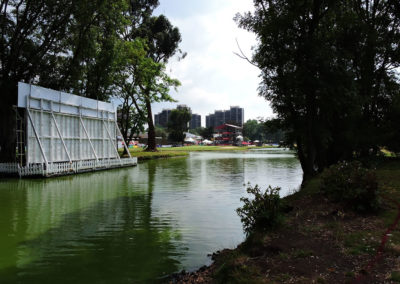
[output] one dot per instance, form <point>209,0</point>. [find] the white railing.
<point>8,168</point>
<point>64,168</point>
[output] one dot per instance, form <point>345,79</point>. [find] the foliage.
<point>253,130</point>
<point>178,124</point>
<point>30,33</point>
<point>273,130</point>
<point>161,40</point>
<point>263,130</point>
<point>263,212</point>
<point>161,132</point>
<point>327,69</point>
<point>352,184</point>
<point>93,40</point>
<point>130,121</point>
<point>391,126</point>
<point>141,81</point>
<point>65,45</point>
<point>395,276</point>
<point>89,48</point>
<point>205,132</point>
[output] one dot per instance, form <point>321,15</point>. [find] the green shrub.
<point>263,212</point>
<point>353,185</point>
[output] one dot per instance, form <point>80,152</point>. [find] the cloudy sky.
<point>212,76</point>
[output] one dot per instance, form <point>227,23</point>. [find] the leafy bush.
<point>352,184</point>
<point>263,212</point>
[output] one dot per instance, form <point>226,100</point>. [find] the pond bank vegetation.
<point>322,240</point>
<point>141,154</point>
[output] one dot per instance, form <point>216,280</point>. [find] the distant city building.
<point>210,120</point>
<point>235,116</point>
<point>161,119</point>
<point>219,117</point>
<point>195,122</point>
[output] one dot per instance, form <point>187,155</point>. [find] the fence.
<point>55,169</point>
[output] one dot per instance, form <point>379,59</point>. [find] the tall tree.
<point>205,132</point>
<point>90,65</point>
<point>140,74</point>
<point>178,124</point>
<point>253,130</point>
<point>67,45</point>
<point>162,40</point>
<point>30,33</point>
<point>326,68</point>
<point>130,121</point>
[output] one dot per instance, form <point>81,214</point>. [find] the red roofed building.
<point>226,134</point>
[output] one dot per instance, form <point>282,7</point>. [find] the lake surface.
<point>132,225</point>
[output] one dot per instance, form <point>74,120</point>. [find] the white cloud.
<point>212,76</point>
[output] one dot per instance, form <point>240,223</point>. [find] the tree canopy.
<point>162,40</point>
<point>205,132</point>
<point>178,124</point>
<point>328,69</point>
<point>98,49</point>
<point>253,130</point>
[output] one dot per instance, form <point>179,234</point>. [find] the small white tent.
<point>189,140</point>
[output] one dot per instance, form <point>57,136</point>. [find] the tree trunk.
<point>151,135</point>
<point>9,97</point>
<point>124,128</point>
<point>306,159</point>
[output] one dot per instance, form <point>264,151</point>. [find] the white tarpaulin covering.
<point>36,97</point>
<point>189,140</point>
<point>68,127</point>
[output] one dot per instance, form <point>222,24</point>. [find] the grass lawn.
<point>205,148</point>
<point>143,155</point>
<point>183,151</point>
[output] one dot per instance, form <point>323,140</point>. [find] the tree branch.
<point>243,56</point>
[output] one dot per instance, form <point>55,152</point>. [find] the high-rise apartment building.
<point>161,119</point>
<point>235,116</point>
<point>210,120</point>
<point>219,117</point>
<point>195,122</point>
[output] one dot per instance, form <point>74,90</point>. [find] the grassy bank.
<point>196,148</point>
<point>321,242</point>
<point>182,151</point>
<point>205,148</point>
<point>143,155</point>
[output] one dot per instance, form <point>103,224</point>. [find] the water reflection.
<point>99,222</point>
<point>135,224</point>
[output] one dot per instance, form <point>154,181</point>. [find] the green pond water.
<point>132,225</point>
